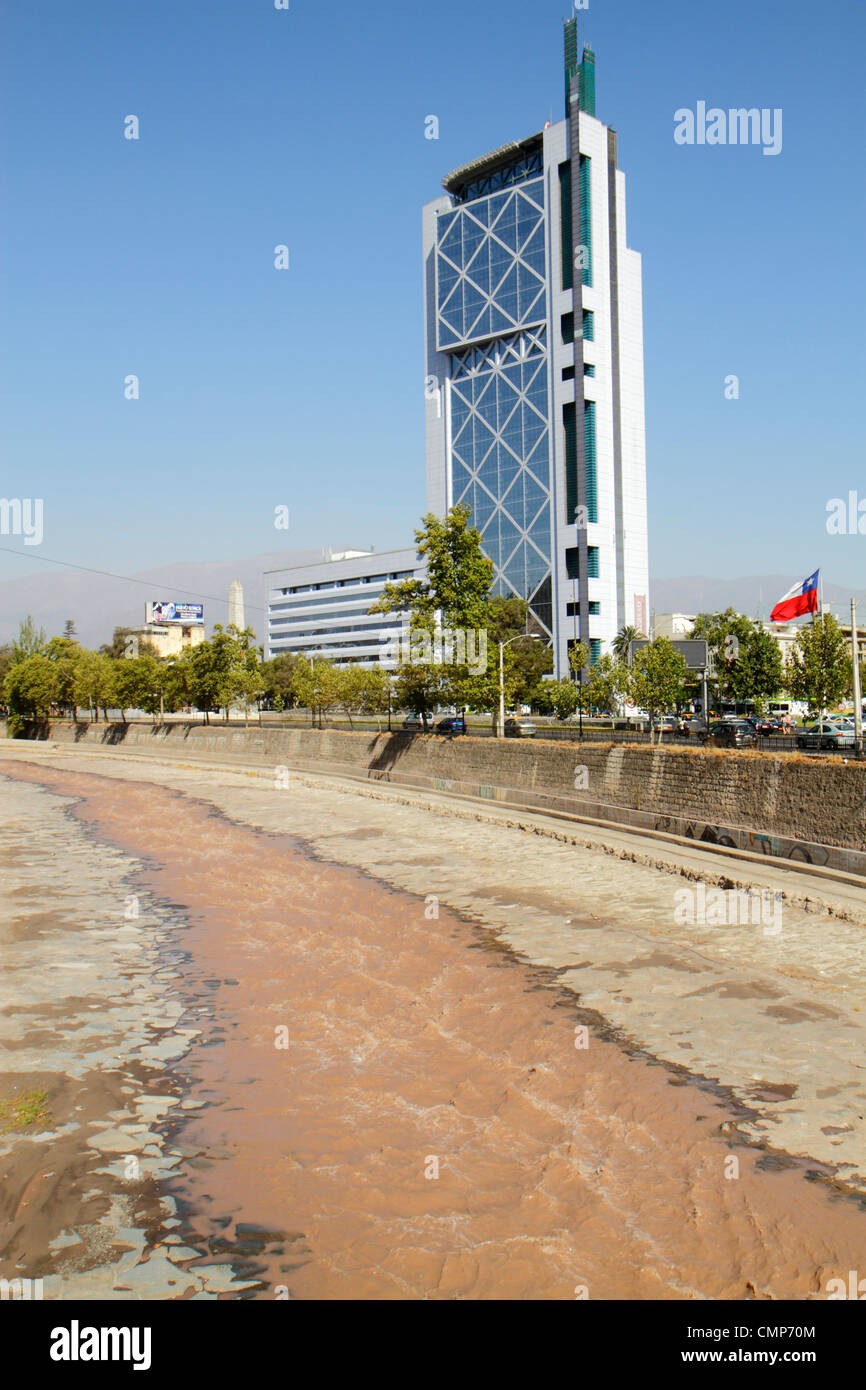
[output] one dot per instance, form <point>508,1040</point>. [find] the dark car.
<point>730,733</point>
<point>768,725</point>
<point>454,724</point>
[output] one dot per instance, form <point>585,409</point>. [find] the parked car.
<point>831,735</point>
<point>725,733</point>
<point>413,724</point>
<point>454,724</point>
<point>695,727</point>
<point>519,728</point>
<point>668,723</point>
<point>767,725</point>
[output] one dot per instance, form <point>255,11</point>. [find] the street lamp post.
<point>533,637</point>
<point>858,698</point>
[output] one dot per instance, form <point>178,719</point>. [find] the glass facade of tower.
<point>491,301</point>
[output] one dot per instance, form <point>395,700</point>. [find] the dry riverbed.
<point>299,1040</point>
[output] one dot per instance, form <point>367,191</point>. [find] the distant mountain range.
<point>754,596</point>
<point>98,603</point>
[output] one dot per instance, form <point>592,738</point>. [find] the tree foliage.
<point>819,669</point>
<point>621,642</point>
<point>657,677</point>
<point>30,640</point>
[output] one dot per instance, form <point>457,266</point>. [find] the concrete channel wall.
<point>810,809</point>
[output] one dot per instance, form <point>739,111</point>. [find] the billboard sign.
<point>162,611</point>
<point>692,650</point>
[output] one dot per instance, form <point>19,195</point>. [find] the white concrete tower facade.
<point>535,394</point>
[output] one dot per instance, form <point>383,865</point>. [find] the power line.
<point>125,578</point>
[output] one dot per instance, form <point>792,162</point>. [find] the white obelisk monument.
<point>236,605</point>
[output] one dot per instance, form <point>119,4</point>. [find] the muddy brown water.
<point>396,1106</point>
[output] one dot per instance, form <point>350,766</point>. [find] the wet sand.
<point>417,1046</point>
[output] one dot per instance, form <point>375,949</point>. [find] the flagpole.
<point>821,585</point>
<point>820,604</point>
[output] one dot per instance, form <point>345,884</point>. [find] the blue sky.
<point>305,388</point>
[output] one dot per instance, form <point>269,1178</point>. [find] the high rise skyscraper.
<point>534,362</point>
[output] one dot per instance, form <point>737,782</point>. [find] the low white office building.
<point>323,609</point>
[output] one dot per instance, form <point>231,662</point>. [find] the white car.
<point>830,734</point>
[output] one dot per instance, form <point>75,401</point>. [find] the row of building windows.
<point>325,603</point>
<point>292,633</point>
<point>347,583</point>
<point>334,645</point>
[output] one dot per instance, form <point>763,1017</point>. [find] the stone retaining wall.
<point>786,805</point>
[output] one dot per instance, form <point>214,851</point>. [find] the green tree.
<point>418,687</point>
<point>578,656</point>
<point>220,669</point>
<point>363,690</point>
<point>30,689</point>
<point>455,596</point>
<point>7,657</point>
<point>726,635</point>
<point>248,678</point>
<point>30,640</point>
<point>656,678</point>
<point>176,678</point>
<point>621,642</point>
<point>559,698</point>
<point>94,682</point>
<point>526,662</point>
<point>66,654</point>
<point>759,670</point>
<point>317,685</point>
<point>819,666</point>
<point>607,683</point>
<point>144,682</point>
<point>458,580</point>
<point>277,679</point>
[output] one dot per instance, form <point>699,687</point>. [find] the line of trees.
<point>39,676</point>
<point>748,663</point>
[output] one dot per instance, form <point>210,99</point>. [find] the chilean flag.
<point>803,598</point>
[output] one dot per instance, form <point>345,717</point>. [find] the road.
<point>304,1037</point>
